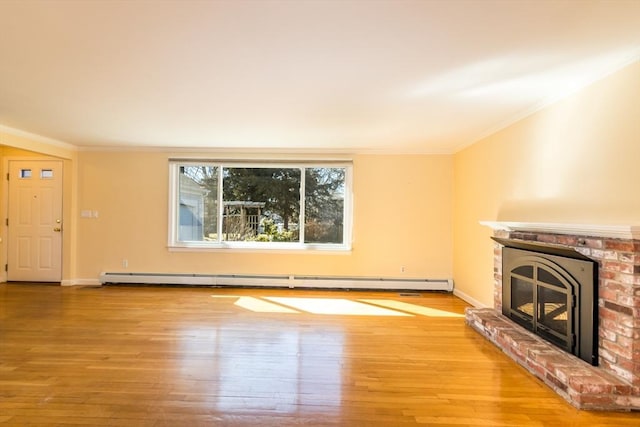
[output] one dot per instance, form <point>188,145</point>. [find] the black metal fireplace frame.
<point>577,273</point>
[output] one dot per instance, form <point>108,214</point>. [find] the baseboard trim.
<point>288,281</point>
<point>474,302</point>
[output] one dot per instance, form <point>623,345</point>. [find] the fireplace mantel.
<point>594,230</point>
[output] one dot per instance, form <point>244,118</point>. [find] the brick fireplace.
<point>615,383</point>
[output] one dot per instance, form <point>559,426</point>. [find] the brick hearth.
<point>583,385</point>
<point>615,383</point>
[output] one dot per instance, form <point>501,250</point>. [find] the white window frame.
<point>175,244</point>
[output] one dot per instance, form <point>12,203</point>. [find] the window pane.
<point>550,278</point>
<point>324,205</point>
<point>198,203</point>
<point>524,270</point>
<point>261,204</point>
<point>522,297</point>
<point>553,311</point>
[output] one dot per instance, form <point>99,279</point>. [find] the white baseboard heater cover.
<point>278,281</point>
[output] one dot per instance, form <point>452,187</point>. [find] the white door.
<point>35,221</point>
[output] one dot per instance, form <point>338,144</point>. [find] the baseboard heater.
<point>277,281</point>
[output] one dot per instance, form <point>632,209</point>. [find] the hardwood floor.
<point>161,356</point>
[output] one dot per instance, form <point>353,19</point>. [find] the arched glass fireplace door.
<point>542,297</point>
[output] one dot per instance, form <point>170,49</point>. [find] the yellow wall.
<point>402,217</point>
<point>573,162</point>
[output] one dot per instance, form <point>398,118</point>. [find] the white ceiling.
<point>387,76</point>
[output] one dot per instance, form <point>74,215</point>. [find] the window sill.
<point>262,248</point>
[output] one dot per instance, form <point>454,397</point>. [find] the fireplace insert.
<point>552,291</point>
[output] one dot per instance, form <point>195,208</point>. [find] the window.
<point>260,205</point>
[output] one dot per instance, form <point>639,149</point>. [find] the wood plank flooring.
<point>163,356</point>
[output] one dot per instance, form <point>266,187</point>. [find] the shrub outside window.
<point>260,205</point>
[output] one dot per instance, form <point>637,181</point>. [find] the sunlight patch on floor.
<point>412,308</point>
<point>335,306</point>
<point>261,306</point>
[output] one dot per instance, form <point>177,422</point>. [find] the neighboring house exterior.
<point>192,196</point>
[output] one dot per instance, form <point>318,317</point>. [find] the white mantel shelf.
<point>610,231</point>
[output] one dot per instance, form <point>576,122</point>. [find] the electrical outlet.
<point>125,263</point>
<point>402,269</point>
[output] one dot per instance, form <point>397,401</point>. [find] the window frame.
<point>175,244</point>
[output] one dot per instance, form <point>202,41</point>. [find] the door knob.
<point>57,229</point>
